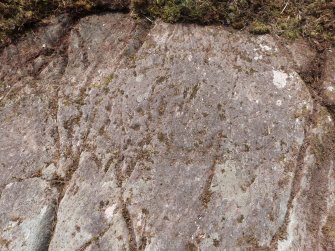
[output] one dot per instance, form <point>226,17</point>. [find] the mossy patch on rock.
<point>260,28</point>
<point>313,18</point>
<point>14,14</point>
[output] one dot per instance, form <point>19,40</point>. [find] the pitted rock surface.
<point>328,85</point>
<point>162,137</point>
<point>27,215</point>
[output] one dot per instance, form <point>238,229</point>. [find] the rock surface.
<point>328,85</point>
<point>117,135</point>
<point>27,215</point>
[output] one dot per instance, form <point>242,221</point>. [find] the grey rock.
<point>27,215</point>
<point>27,134</point>
<point>168,137</point>
<point>89,208</point>
<point>328,84</point>
<point>301,53</point>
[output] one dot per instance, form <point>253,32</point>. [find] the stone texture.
<point>27,215</point>
<point>301,53</point>
<point>328,85</point>
<point>166,137</point>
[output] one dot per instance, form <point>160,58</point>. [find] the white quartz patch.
<point>109,212</point>
<point>265,47</point>
<point>279,79</point>
<point>139,78</point>
<point>258,57</point>
<point>330,88</point>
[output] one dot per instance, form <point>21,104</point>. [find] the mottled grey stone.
<point>205,128</point>
<point>27,144</point>
<point>27,211</point>
<point>302,53</point>
<point>328,85</point>
<point>169,137</point>
<point>89,208</point>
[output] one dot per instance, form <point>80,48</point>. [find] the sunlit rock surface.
<point>120,135</point>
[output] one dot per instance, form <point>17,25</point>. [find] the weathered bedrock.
<point>121,135</point>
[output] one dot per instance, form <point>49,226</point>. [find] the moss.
<point>2,86</point>
<point>313,18</point>
<point>291,19</point>
<point>4,242</point>
<point>259,28</point>
<point>329,228</point>
<point>15,14</point>
<point>240,218</point>
<point>194,91</point>
<point>103,85</point>
<point>171,13</point>
<point>288,27</point>
<point>108,79</point>
<point>191,247</point>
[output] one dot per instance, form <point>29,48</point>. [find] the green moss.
<point>260,28</point>
<point>2,85</point>
<point>289,27</point>
<point>14,14</point>
<point>171,13</point>
<point>103,85</point>
<point>291,19</point>
<point>108,79</point>
<point>294,18</point>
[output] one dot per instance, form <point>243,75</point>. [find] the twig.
<point>149,19</point>
<point>285,7</point>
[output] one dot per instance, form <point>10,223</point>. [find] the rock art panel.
<point>172,137</point>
